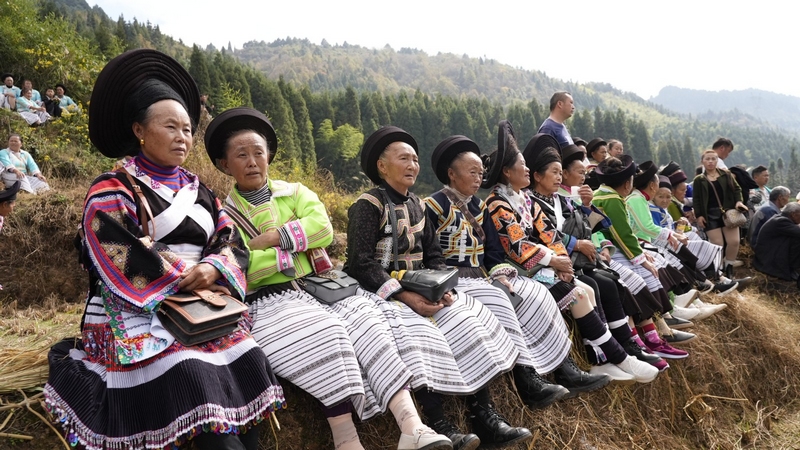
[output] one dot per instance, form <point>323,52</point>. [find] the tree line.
<point>321,126</point>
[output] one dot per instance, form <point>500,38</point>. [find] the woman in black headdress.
<point>456,345</point>
<point>128,383</point>
<point>531,241</point>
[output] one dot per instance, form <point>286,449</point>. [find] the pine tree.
<point>349,111</point>
<point>198,69</point>
<point>305,130</point>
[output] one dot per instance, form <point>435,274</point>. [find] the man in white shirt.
<point>723,147</point>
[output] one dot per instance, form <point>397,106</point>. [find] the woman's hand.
<point>649,257</point>
<point>561,263</point>
<point>682,238</point>
<point>701,223</point>
<point>199,276</point>
<point>605,255</point>
<point>649,266</point>
<point>672,240</point>
<point>263,241</point>
<point>504,280</point>
<point>40,176</point>
<point>566,277</point>
<point>586,247</point>
<point>586,194</point>
<point>419,304</point>
<point>741,207</point>
<point>20,175</point>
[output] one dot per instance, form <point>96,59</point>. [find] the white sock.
<point>345,436</point>
<point>405,413</point>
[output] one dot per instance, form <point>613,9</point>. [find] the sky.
<point>636,46</point>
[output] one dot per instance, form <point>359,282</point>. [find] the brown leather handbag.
<point>201,316</point>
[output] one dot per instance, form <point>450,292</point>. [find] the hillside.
<point>752,105</point>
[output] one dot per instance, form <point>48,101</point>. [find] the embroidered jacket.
<point>621,233</point>
<point>302,216</point>
<point>136,274</point>
<point>526,242</point>
<point>370,257</point>
<point>461,245</point>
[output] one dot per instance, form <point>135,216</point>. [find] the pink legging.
<point>731,237</point>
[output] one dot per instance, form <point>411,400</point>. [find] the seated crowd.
<point>622,264</point>
<point>31,105</point>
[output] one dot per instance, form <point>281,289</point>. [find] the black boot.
<point>460,440</point>
<point>535,391</point>
<point>576,380</point>
<point>494,430</point>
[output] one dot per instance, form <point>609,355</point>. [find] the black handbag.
<point>330,287</point>
<point>514,298</point>
<point>200,316</point>
<point>429,283</point>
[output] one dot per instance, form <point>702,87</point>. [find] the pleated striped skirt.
<point>618,260</point>
<point>336,353</point>
<point>535,326</point>
<point>457,351</point>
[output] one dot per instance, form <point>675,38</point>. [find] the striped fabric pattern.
<point>457,351</point>
<point>536,326</point>
<point>335,353</point>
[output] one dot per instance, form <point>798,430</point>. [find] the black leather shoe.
<point>494,430</point>
<point>743,283</point>
<point>535,391</point>
<point>576,380</point>
<point>676,323</point>
<point>460,440</point>
<point>632,348</point>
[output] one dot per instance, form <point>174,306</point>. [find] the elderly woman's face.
<point>14,143</point>
<point>518,175</point>
<point>399,166</point>
<point>600,153</point>
<point>167,133</point>
<point>574,174</point>
<point>247,160</point>
<point>550,181</point>
<point>466,173</point>
<point>679,191</point>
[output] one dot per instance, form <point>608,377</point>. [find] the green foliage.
<point>228,98</point>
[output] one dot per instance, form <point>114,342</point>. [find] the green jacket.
<point>300,211</point>
<point>610,203</point>
<point>642,221</point>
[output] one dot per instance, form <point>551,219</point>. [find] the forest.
<point>323,99</point>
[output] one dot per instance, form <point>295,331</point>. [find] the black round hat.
<point>644,174</point>
<point>492,171</point>
<point>572,153</point>
<point>237,119</point>
<point>120,79</point>
<point>674,173</point>
<point>446,152</point>
<point>376,143</point>
<point>594,143</point>
<point>10,193</point>
<point>579,141</point>
<point>536,154</point>
<point>663,182</point>
<point>629,170</point>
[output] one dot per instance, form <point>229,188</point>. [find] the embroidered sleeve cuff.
<point>639,260</point>
<point>388,289</point>
<point>503,270</point>
<point>547,255</point>
<point>297,236</point>
<point>663,238</point>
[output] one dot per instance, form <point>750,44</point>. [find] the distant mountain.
<point>780,110</point>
